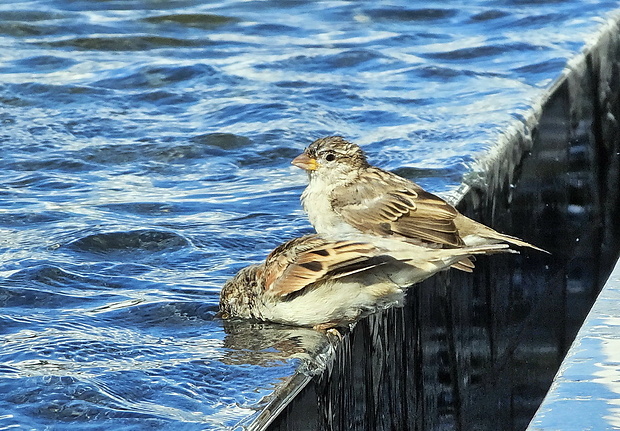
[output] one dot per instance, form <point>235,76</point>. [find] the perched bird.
<point>348,198</point>
<point>315,282</point>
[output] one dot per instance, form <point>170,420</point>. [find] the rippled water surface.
<point>146,151</point>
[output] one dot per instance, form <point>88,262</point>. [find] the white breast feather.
<point>334,302</point>
<point>316,202</point>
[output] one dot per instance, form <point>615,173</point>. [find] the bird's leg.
<point>329,328</point>
<point>336,333</point>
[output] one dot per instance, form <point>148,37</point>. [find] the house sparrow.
<point>315,282</point>
<point>346,197</point>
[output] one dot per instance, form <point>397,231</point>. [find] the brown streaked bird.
<point>319,283</point>
<point>346,197</point>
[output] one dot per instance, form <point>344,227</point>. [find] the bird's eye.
<point>330,157</point>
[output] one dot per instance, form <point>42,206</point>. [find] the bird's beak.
<point>304,162</point>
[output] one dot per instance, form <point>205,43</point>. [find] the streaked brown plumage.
<point>347,197</point>
<point>320,283</point>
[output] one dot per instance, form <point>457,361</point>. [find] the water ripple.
<point>147,150</point>
<point>198,20</point>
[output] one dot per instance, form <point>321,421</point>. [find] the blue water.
<point>146,152</point>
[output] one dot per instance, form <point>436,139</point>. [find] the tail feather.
<point>465,265</point>
<point>426,262</point>
<point>485,249</point>
<point>462,256</point>
<point>514,240</point>
<point>474,233</point>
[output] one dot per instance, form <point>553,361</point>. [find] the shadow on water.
<point>480,351</point>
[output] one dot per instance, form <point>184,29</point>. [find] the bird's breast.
<point>335,301</point>
<point>316,201</point>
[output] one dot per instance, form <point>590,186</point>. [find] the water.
<point>146,158</point>
<point>587,381</point>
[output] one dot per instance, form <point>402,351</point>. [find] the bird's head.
<point>331,156</point>
<point>239,292</point>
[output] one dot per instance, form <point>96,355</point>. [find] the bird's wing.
<point>382,203</point>
<point>300,263</point>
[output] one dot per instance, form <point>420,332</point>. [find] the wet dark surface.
<point>146,158</point>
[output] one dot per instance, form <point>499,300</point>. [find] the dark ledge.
<point>480,351</point>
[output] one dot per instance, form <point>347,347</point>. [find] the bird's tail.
<point>459,258</point>
<point>512,240</point>
<point>418,263</point>
<point>466,264</point>
<point>474,233</point>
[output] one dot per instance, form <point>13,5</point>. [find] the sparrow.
<point>347,197</point>
<point>321,283</point>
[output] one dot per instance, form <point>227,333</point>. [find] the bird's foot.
<point>329,329</point>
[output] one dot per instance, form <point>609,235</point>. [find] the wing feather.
<point>401,208</point>
<point>303,262</point>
